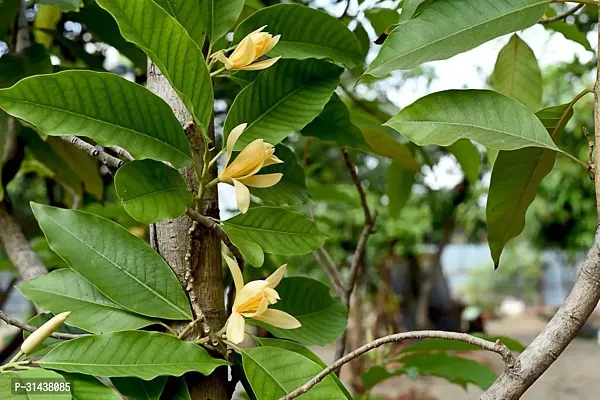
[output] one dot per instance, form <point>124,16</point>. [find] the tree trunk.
<point>192,251</point>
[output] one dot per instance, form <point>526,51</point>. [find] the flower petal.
<point>233,137</point>
<point>221,57</point>
<point>276,276</point>
<point>236,273</point>
<point>262,181</point>
<point>243,54</point>
<point>260,65</point>
<point>272,295</point>
<point>242,195</point>
<point>235,328</point>
<point>247,163</point>
<point>278,319</point>
<point>262,307</point>
<point>274,40</point>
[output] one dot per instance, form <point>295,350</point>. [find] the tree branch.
<point>110,161</point>
<point>569,319</point>
<point>497,347</point>
<point>562,15</point>
<point>30,328</point>
<point>331,271</point>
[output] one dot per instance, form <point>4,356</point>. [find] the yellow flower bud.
<point>251,48</point>
<point>43,332</point>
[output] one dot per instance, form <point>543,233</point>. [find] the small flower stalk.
<point>43,332</point>
<point>251,48</point>
<point>252,301</point>
<point>242,171</point>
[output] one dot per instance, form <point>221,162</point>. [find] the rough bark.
<point>192,250</point>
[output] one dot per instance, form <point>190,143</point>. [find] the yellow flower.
<point>242,171</point>
<point>252,300</point>
<point>36,338</point>
<point>251,48</point>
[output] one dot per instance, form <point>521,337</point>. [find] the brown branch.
<point>331,270</point>
<point>562,15</point>
<point>359,188</point>
<point>110,161</point>
<point>569,319</point>
<point>30,328</point>
<point>496,347</point>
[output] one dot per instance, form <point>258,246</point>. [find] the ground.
<point>574,376</point>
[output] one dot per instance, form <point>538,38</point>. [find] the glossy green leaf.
<point>82,164</point>
<point>152,191</point>
<point>517,74</point>
<point>138,389</point>
<point>34,60</point>
<point>6,381</point>
<point>323,318</point>
<point>437,345</point>
<point>365,43</point>
<point>140,354</point>
<point>399,188</point>
<point>291,189</point>
<point>50,342</point>
<point>304,351</point>
<point>449,27</point>
<point>334,124</point>
<point>468,157</point>
<point>120,265</point>
<point>146,24</point>
<point>103,106</point>
<point>65,290</point>
<point>382,18</point>
<point>85,387</point>
<point>190,14</point>
<point>409,9</point>
<point>283,99</point>
<point>273,372</point>
<point>305,33</point>
<point>514,182</point>
<point>275,230</point>
<point>382,142</point>
<point>570,32</point>
<point>221,16</point>
<point>487,117</point>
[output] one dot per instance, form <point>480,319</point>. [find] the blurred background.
<point>441,224</point>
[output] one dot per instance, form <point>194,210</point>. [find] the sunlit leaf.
<point>399,188</point>
<point>468,157</point>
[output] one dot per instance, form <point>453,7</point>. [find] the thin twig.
<point>332,273</point>
<point>358,256</point>
<point>496,347</point>
<point>359,188</point>
<point>562,15</point>
<point>30,328</point>
<point>121,152</point>
<point>93,151</point>
<point>591,167</point>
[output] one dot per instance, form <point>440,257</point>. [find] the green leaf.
<point>399,188</point>
<point>189,13</point>
<point>570,32</point>
<point>64,5</point>
<point>305,33</point>
<point>275,230</point>
<point>65,290</point>
<point>103,106</point>
<point>47,344</point>
<point>377,374</point>
<point>111,259</point>
<point>274,372</point>
<point>454,369</point>
<point>514,182</point>
<point>176,389</point>
<point>291,189</point>
<point>449,27</point>
<point>7,378</point>
<point>34,60</point>
<point>304,351</point>
<point>140,354</point>
<point>468,157</point>
<point>284,98</point>
<point>152,191</point>
<point>487,117</point>
<point>409,8</point>
<point>517,74</point>
<point>365,43</point>
<point>221,16</point>
<point>85,387</point>
<point>438,345</point>
<point>334,124</point>
<point>139,389</point>
<point>382,18</point>
<point>101,23</point>
<point>84,166</point>
<point>146,24</point>
<point>379,138</point>
<point>323,318</point>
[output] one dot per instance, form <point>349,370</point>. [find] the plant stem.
<point>217,71</point>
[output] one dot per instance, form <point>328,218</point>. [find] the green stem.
<point>212,183</point>
<point>189,327</point>
<point>16,357</point>
<point>168,328</point>
<point>575,159</point>
<point>215,158</point>
<point>217,71</point>
<point>565,114</point>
